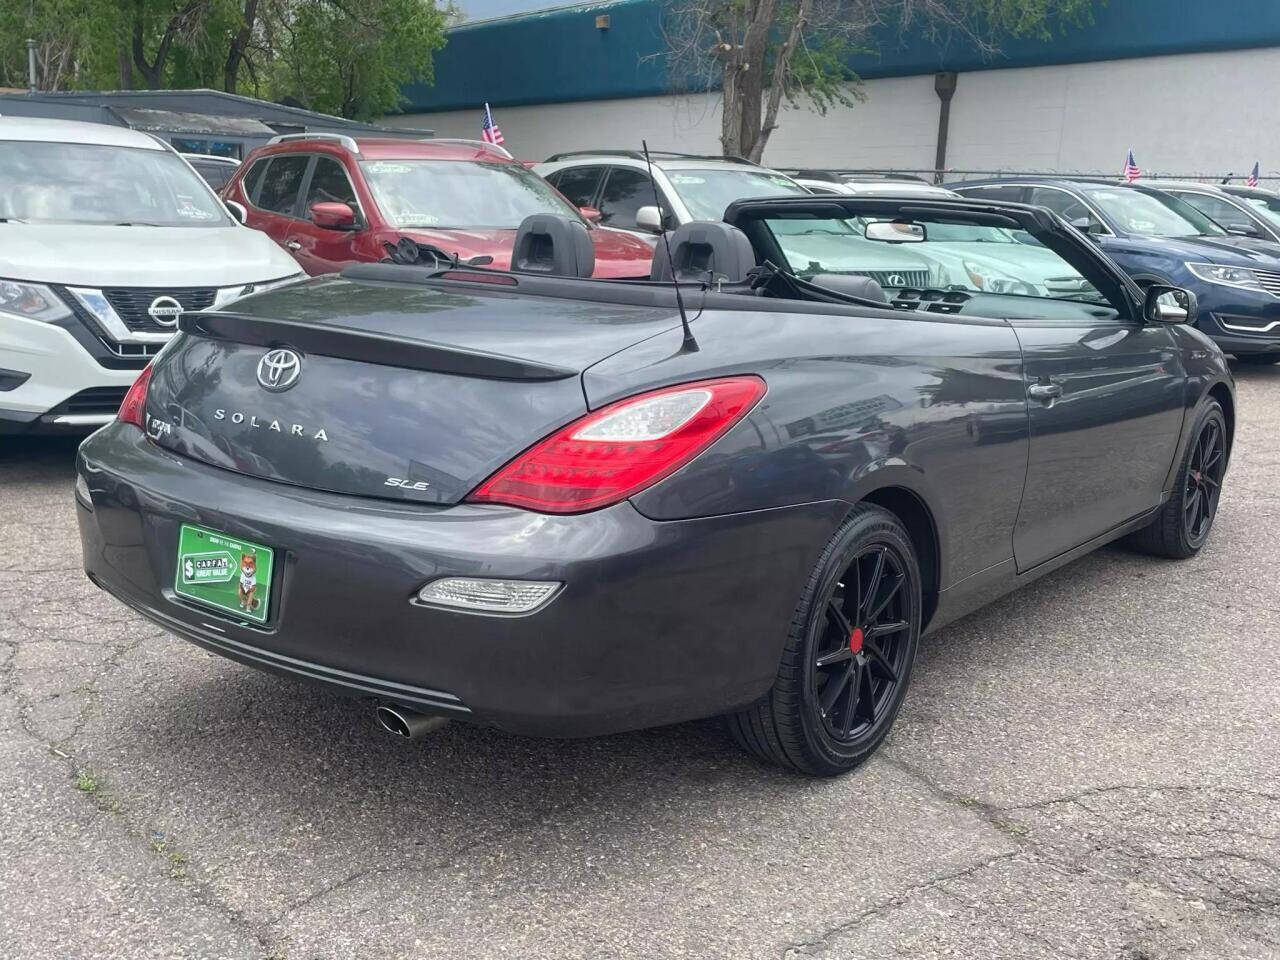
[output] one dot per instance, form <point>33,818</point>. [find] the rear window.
<point>89,183</point>
<point>215,174</point>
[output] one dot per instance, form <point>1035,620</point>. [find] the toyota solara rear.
<point>571,506</point>
<point>417,501</point>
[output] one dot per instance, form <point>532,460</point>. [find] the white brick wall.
<point>1210,112</point>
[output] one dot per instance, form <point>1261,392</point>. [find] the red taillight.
<point>135,400</point>
<point>620,449</point>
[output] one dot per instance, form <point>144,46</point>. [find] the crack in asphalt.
<point>64,750</point>
<point>1232,901</point>
<point>889,903</point>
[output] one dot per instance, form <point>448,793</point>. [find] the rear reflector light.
<point>621,449</point>
<point>82,491</point>
<point>135,401</point>
<point>488,596</point>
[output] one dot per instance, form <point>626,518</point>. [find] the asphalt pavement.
<point>1089,768</point>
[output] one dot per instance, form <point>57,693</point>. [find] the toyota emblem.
<point>278,370</point>
<point>165,311</point>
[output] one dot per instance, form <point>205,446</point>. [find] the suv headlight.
<point>990,280</point>
<point>1227,276</point>
<point>31,300</point>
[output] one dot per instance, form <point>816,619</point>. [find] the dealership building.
<point>1186,84</point>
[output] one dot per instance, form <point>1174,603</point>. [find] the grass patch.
<point>87,783</point>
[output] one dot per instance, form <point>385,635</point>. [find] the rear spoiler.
<point>352,344</point>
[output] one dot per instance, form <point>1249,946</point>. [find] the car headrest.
<point>851,285</point>
<point>555,245</point>
<point>702,250</point>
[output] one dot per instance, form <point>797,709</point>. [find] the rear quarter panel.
<point>853,404</point>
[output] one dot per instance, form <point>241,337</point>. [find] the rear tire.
<point>848,656</point>
<point>1183,524</point>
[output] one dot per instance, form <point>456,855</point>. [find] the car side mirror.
<point>591,214</point>
<point>1243,230</point>
<point>649,219</point>
<point>1165,304</point>
<point>237,211</point>
<point>333,216</point>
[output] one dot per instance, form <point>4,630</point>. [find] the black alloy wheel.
<point>847,660</point>
<point>861,651</point>
<point>1183,524</point>
<point>1204,482</point>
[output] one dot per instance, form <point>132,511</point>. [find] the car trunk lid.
<point>388,389</point>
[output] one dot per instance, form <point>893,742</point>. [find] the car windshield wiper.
<point>12,220</point>
<point>136,223</point>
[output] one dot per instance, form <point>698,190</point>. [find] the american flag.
<point>1253,177</point>
<point>489,131</point>
<point>1131,171</point>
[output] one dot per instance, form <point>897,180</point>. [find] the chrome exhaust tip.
<point>403,722</point>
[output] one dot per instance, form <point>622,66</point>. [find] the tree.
<point>66,35</point>
<point>762,52</point>
<point>349,57</point>
<point>352,57</point>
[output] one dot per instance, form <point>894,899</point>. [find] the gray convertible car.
<point>562,506</point>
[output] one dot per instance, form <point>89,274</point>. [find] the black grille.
<point>897,278</point>
<point>93,400</point>
<point>131,303</point>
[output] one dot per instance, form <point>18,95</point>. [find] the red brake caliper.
<point>855,640</point>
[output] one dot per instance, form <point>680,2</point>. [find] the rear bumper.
<point>658,622</point>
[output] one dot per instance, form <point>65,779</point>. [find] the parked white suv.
<point>106,236</point>
<point>616,183</point>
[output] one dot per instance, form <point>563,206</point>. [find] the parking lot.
<point>1087,768</point>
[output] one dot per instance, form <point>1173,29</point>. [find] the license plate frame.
<point>210,570</point>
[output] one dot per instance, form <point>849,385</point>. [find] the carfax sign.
<point>228,574</point>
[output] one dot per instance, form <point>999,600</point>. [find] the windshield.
<point>443,194</point>
<point>707,192</point>
<point>971,258</point>
<point>1152,214</point>
<point>88,183</point>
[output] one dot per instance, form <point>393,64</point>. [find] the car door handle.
<point>1044,392</point>
<point>293,245</point>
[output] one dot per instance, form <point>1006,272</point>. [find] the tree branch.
<point>777,86</point>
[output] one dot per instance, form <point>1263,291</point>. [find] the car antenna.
<point>690,345</point>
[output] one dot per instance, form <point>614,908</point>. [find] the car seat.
<point>704,250</point>
<point>553,245</point>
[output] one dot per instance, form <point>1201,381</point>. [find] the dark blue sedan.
<point>1158,238</point>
